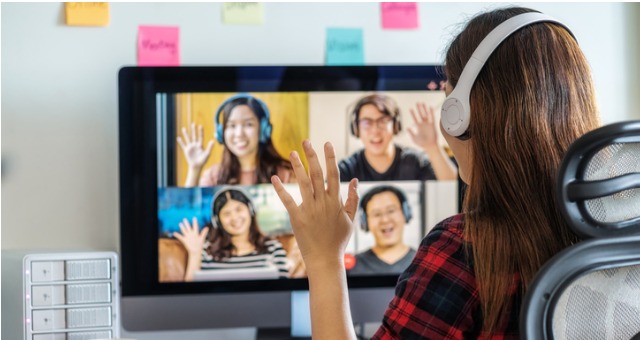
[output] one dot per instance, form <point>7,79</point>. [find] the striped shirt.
<point>437,296</point>
<point>275,256</point>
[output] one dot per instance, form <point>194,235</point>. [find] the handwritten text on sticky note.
<point>158,46</point>
<point>243,13</point>
<point>86,13</point>
<point>403,15</point>
<point>345,46</point>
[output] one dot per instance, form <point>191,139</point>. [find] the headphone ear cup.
<point>397,124</point>
<point>454,118</point>
<point>406,210</point>
<point>354,124</point>
<point>363,221</point>
<point>265,130</point>
<point>252,210</point>
<point>215,222</point>
<point>219,133</point>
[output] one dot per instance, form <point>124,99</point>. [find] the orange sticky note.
<point>158,46</point>
<point>86,13</point>
<point>399,15</point>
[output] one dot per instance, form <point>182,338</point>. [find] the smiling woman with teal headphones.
<point>243,126</point>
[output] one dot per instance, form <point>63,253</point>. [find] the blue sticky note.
<point>345,46</point>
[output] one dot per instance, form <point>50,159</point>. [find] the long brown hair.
<point>268,158</point>
<point>532,99</point>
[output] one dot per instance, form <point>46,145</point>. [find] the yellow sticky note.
<point>86,13</point>
<point>243,13</point>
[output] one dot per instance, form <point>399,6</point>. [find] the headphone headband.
<point>455,114</point>
<point>223,190</point>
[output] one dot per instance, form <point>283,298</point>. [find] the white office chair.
<point>591,290</point>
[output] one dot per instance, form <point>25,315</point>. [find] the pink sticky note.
<point>158,46</point>
<point>399,15</point>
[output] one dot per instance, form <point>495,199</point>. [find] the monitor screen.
<point>198,146</point>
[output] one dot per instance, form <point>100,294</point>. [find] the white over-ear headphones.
<point>455,113</point>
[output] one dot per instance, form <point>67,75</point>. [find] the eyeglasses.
<point>382,122</point>
<point>377,215</point>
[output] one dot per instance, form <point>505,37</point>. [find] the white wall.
<point>59,89</point>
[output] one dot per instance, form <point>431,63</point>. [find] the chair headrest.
<point>599,181</point>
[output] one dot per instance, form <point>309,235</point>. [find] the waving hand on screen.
<point>195,154</point>
<point>424,133</point>
<point>193,241</point>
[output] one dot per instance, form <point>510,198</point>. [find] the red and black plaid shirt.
<point>437,296</point>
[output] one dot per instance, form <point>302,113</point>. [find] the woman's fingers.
<point>333,174</point>
<point>304,182</point>
<point>351,205</point>
<point>284,196</point>
<point>181,143</point>
<point>207,151</point>
<point>200,134</point>
<point>179,237</point>
<point>185,135</point>
<point>184,225</point>
<point>315,171</point>
<point>416,117</point>
<point>426,112</point>
<point>203,234</point>
<point>431,114</point>
<point>193,132</point>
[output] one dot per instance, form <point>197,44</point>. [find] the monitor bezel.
<point>137,89</point>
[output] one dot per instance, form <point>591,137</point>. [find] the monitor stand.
<point>300,321</point>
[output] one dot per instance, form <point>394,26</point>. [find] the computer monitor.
<point>165,113</point>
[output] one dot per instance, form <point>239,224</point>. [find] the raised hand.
<point>191,237</point>
<point>193,241</point>
<point>424,132</point>
<point>322,224</point>
<point>191,146</point>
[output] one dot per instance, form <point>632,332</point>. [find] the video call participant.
<point>533,97</point>
<point>235,240</point>
<point>375,120</point>
<point>249,156</point>
<point>384,211</point>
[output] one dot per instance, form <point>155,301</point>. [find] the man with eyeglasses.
<point>375,120</point>
<point>384,212</point>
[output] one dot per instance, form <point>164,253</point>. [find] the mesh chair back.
<point>600,305</point>
<point>591,290</point>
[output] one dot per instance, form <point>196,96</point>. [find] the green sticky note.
<point>243,13</point>
<point>345,46</point>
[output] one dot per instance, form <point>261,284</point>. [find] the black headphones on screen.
<point>355,113</point>
<point>404,203</point>
<point>235,193</point>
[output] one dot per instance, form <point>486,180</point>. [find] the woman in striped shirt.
<point>235,241</point>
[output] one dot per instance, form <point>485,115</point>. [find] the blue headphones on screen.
<point>265,123</point>
<point>406,208</point>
